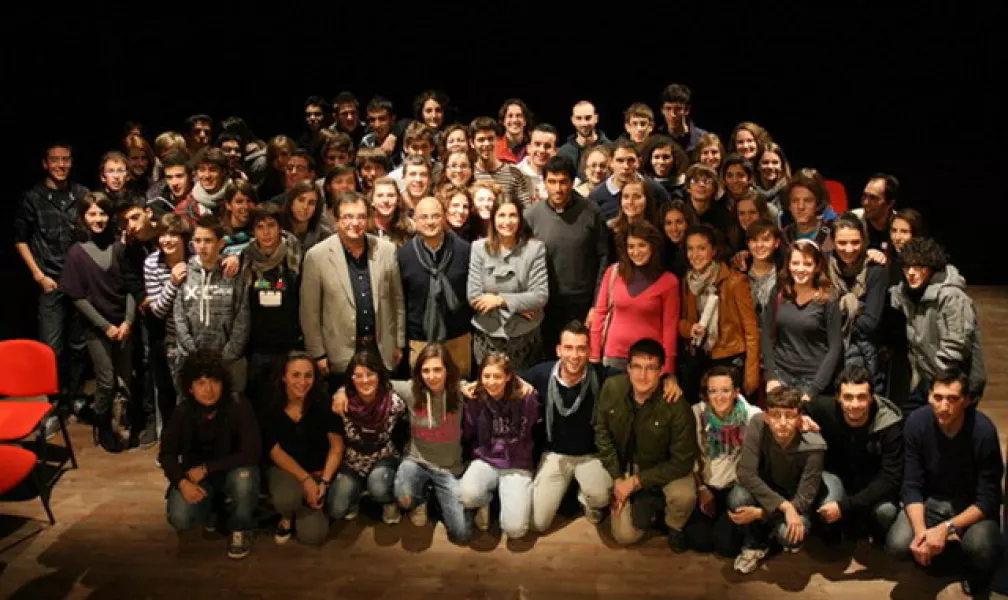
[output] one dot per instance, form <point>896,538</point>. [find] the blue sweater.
<point>963,470</point>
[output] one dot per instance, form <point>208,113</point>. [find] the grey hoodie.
<point>773,474</point>
<point>435,434</point>
<point>211,312</point>
<point>942,329</point>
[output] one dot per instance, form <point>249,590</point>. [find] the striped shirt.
<point>160,291</point>
<point>511,180</point>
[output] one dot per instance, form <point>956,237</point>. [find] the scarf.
<point>256,264</point>
<point>208,200</point>
<point>850,295</point>
<point>441,297</point>
<point>370,417</point>
<point>703,285</point>
<point>555,400</point>
<point>724,436</point>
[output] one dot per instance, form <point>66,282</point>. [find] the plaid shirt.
<point>47,221</point>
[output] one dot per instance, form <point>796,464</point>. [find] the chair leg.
<point>66,440</point>
<point>44,495</point>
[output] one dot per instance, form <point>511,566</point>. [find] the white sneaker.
<point>749,559</point>
<point>418,516</point>
<point>482,518</point>
<point>352,513</point>
<point>390,513</point>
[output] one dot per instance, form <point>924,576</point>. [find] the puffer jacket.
<point>942,330</point>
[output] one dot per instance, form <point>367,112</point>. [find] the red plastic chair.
<point>18,464</point>
<point>28,368</point>
<point>838,195</point>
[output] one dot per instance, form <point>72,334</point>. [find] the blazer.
<point>517,275</point>
<point>328,312</point>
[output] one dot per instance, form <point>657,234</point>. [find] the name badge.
<point>270,298</point>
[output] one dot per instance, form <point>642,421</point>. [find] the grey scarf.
<point>208,200</point>
<point>555,400</point>
<point>850,296</point>
<point>255,263</point>
<point>703,285</point>
<point>440,289</point>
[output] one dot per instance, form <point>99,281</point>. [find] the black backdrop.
<point>849,89</point>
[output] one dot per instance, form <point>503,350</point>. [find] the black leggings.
<point>714,534</point>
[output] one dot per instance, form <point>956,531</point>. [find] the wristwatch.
<point>951,529</point>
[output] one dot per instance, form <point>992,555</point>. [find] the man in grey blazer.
<point>351,294</point>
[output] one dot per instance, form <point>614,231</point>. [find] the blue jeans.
<point>415,482</point>
<point>981,542</point>
<point>876,520</point>
<point>241,485</point>
<point>477,487</point>
<point>349,486</point>
<point>758,533</point>
<point>61,327</point>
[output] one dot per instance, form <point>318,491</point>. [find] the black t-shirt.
<point>306,441</point>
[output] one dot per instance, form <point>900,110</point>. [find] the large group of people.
<point>438,318</point>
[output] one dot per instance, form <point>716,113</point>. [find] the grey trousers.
<point>311,525</point>
<point>112,361</point>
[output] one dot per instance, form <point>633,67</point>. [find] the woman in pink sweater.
<point>636,300</point>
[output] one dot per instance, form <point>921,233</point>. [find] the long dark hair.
<point>316,394</point>
<point>647,232</point>
<point>369,359</point>
<point>451,389</point>
<point>102,201</point>
<point>820,273</point>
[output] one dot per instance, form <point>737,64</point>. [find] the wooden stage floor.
<point>112,541</point>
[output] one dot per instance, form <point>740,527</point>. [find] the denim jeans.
<point>240,485</point>
<point>167,397</point>
<point>61,327</point>
<point>349,485</point>
<point>758,533</point>
<point>415,482</point>
<point>477,487</point>
<point>876,520</point>
<point>981,542</point>
<point>141,379</point>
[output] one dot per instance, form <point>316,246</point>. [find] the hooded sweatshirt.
<point>867,459</point>
<point>942,329</point>
<point>211,312</point>
<point>500,431</point>
<point>773,473</point>
<point>719,472</point>
<point>435,433</point>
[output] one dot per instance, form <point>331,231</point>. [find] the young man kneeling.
<point>211,446</point>
<point>779,476</point>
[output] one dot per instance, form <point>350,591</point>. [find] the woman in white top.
<point>721,419</point>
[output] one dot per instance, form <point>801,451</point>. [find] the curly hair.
<point>204,363</point>
<point>924,252</point>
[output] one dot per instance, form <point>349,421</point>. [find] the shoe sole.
<point>237,555</point>
<point>281,540</point>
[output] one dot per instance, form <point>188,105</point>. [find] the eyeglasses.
<point>635,368</point>
<point>702,181</point>
<point>353,218</point>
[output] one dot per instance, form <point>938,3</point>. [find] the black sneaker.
<point>240,545</point>
<point>676,541</point>
<point>211,523</point>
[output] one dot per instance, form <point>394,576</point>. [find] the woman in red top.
<point>636,300</point>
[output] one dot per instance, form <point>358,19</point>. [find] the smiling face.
<point>303,207</point>
<point>745,144</point>
<point>639,251</point>
<point>542,146</point>
<point>417,178</point>
<point>267,234</point>
<point>675,225</point>
<point>434,374</point>
<point>596,168</point>
<point>483,201</point>
<point>736,180</point>
<point>633,202</point>
<point>171,244</point>
<point>701,187</point>
<point>365,381</point>
<point>96,219</point>
<point>900,232</point>
<point>352,221</point>
<point>747,212</point>
<point>507,220</point>
<point>699,251</point>
<point>855,401</point>
<point>458,169</point>
<point>458,210</point>
<point>494,380</point>
<point>314,115</point>
<point>456,141</point>
<point>138,162</point>
<point>584,119</point>
<point>710,155</point>
<point>380,122</point>
<point>298,378</point>
<point>662,161</point>
<point>771,167</point>
<point>483,143</point>
<point>721,394</point>
<point>57,163</point>
<point>763,246</point>
<point>432,113</point>
<point>802,267</point>
<point>573,353</point>
<point>210,177</point>
<point>848,244</point>
<point>239,207</point>
<point>560,188</point>
<point>873,200</point>
<point>514,121</point>
<point>429,218</point>
<point>385,199</point>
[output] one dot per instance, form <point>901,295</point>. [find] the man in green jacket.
<point>648,446</point>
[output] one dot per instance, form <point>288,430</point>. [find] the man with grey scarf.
<point>434,267</point>
<point>569,387</point>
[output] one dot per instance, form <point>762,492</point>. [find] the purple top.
<point>500,431</point>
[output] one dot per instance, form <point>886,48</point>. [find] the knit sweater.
<point>211,312</point>
<point>773,473</point>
